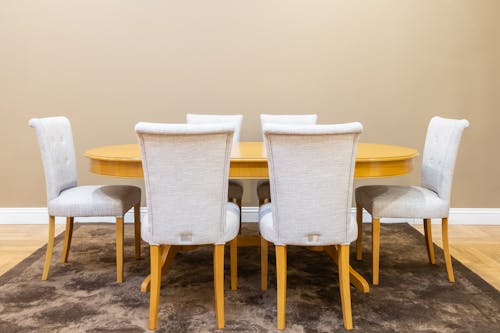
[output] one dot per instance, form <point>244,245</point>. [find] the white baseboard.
<point>38,215</point>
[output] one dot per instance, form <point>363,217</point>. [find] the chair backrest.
<point>186,169</point>
<point>235,119</point>
<point>58,153</point>
<point>311,171</point>
<point>440,153</point>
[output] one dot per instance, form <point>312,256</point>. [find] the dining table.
<point>249,161</point>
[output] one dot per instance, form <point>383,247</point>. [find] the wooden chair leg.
<point>119,249</point>
<point>233,246</point>
<point>428,241</point>
<point>345,288</point>
<point>50,247</point>
<point>264,253</point>
<point>137,230</point>
<point>154,294</point>
<point>375,249</point>
<point>446,249</point>
<point>281,285</point>
<point>219,283</point>
<point>359,241</point>
<point>67,238</point>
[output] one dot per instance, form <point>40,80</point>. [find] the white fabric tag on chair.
<point>313,238</point>
<point>187,238</point>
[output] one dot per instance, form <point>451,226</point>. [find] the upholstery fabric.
<point>235,190</point>
<point>440,153</point>
<point>263,187</point>
<point>401,201</point>
<point>64,197</point>
<point>432,199</point>
<point>186,170</point>
<point>231,226</point>
<point>99,200</point>
<point>311,171</point>
<point>55,139</point>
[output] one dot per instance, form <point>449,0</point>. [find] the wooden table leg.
<point>356,279</point>
<point>167,256</point>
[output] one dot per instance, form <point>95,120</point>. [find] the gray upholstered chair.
<point>430,200</point>
<point>65,198</point>
<point>311,171</point>
<point>186,169</point>
<point>235,188</point>
<point>263,187</point>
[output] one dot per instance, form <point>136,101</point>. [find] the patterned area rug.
<point>82,296</point>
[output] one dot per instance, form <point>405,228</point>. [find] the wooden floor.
<point>477,247</point>
<point>19,241</point>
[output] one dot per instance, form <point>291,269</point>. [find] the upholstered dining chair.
<point>235,187</point>
<point>186,169</point>
<point>263,187</point>
<point>429,200</point>
<point>311,171</point>
<point>65,198</point>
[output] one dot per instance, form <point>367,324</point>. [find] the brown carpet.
<point>81,296</point>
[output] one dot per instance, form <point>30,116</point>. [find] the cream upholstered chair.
<point>65,198</point>
<point>235,188</point>
<point>263,187</point>
<point>311,171</point>
<point>186,169</point>
<point>430,200</point>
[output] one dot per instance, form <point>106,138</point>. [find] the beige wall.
<point>107,64</point>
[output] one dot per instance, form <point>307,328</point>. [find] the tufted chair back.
<point>440,153</point>
<point>311,170</point>
<point>186,169</point>
<point>58,153</point>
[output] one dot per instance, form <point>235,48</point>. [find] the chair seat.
<point>268,232</point>
<point>231,229</point>
<point>401,201</point>
<point>235,190</point>
<point>97,200</point>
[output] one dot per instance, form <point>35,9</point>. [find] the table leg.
<point>167,256</point>
<point>356,279</point>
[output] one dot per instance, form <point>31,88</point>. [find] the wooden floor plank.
<point>475,246</point>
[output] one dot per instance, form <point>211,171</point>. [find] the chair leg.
<point>428,241</point>
<point>281,285</point>
<point>375,249</point>
<point>263,263</point>
<point>137,230</point>
<point>50,247</point>
<point>154,294</point>
<point>67,238</point>
<point>359,241</point>
<point>219,283</point>
<point>345,288</point>
<point>233,246</point>
<point>446,249</point>
<point>119,249</point>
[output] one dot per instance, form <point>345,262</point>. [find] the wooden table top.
<point>372,160</point>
